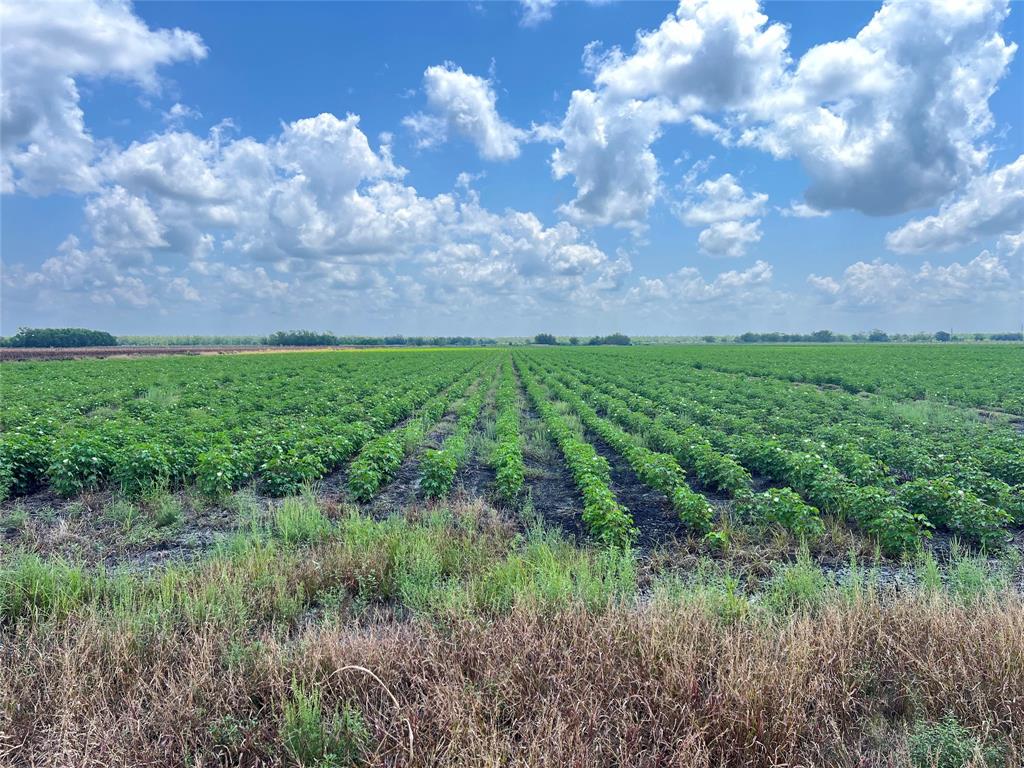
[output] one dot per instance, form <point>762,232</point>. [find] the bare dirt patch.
<point>550,488</point>
<point>651,510</point>
<point>99,527</point>
<point>404,490</point>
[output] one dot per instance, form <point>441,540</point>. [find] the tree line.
<point>85,337</point>
<point>614,339</point>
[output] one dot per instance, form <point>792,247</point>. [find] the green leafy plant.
<point>782,507</point>
<point>948,744</point>
<point>315,736</point>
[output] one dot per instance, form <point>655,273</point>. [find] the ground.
<point>173,627</point>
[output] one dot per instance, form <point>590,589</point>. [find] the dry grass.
<point>448,641</point>
<point>660,685</point>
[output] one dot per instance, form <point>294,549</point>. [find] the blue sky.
<point>506,168</point>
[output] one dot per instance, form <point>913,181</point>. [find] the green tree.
<point>60,337</point>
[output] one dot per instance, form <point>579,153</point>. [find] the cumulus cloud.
<point>704,57</point>
<point>729,216</point>
<point>798,210</point>
<point>890,120</point>
<point>310,215</point>
<point>881,285</point>
<point>89,273</point>
<point>687,286</point>
<point>991,204</point>
<point>464,105</point>
<point>887,121</point>
<point>606,148</point>
<point>47,46</point>
<point>123,225</point>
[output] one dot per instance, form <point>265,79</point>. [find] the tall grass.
<point>491,647</point>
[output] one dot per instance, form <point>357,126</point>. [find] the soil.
<point>552,491</point>
<point>81,529</point>
<point>651,510</point>
<point>403,491</point>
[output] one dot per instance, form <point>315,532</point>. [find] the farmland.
<point>446,525</point>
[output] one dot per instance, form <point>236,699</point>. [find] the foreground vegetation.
<point>540,556</point>
<point>317,636</point>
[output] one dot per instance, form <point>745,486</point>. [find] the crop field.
<point>863,442</point>
<point>232,528</point>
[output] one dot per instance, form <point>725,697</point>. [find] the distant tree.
<point>545,338</point>
<point>878,335</point>
<point>60,337</point>
<point>942,336</point>
<point>710,339</point>
<point>822,336</point>
<point>301,339</point>
<point>618,339</point>
<point>574,340</point>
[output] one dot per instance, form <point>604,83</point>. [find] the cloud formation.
<point>881,285</point>
<point>46,144</point>
<point>888,121</point>
<point>312,213</point>
<point>464,105</point>
<point>991,204</point>
<point>729,215</point>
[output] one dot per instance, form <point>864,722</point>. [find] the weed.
<point>167,511</point>
<point>798,586</point>
<point>123,514</point>
<point>948,744</point>
<point>324,739</point>
<point>299,520</point>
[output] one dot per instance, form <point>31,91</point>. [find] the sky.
<point>506,168</point>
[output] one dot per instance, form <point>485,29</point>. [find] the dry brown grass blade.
<point>394,699</point>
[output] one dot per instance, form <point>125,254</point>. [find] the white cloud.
<point>721,199</point>
<point>1011,243</point>
<point>75,271</point>
<point>723,208</point>
<point>536,11</point>
<point>606,147</point>
<point>687,286</point>
<point>707,56</point>
<point>309,216</point>
<point>729,238</point>
<point>890,120</point>
<point>798,210</point>
<point>464,105</point>
<point>46,144</point>
<point>880,285</point>
<point>990,205</point>
<point>179,113</point>
<point>123,225</point>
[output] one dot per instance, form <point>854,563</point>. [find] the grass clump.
<point>299,520</point>
<point>948,744</point>
<point>798,586</point>
<point>319,738</point>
